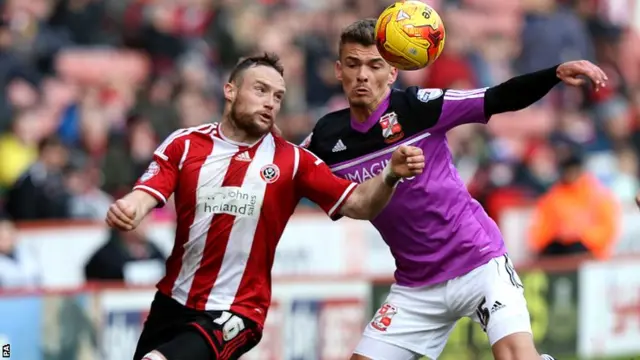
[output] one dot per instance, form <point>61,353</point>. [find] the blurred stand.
<point>91,87</point>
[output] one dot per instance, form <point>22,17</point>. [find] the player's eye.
<point>261,89</point>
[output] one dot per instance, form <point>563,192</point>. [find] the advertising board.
<point>48,327</point>
<point>610,309</point>
<point>320,320</point>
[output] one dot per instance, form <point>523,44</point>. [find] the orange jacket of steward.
<point>583,211</point>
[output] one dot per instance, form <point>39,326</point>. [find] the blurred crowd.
<point>92,86</point>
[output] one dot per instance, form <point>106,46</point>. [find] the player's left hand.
<point>407,161</point>
<point>572,72</point>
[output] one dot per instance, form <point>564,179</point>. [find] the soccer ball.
<point>410,35</point>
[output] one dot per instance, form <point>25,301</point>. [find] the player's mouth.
<point>266,117</point>
<point>362,91</point>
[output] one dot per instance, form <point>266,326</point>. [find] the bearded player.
<point>450,256</point>
<point>236,185</point>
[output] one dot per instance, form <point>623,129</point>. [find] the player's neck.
<point>362,113</point>
<point>229,130</point>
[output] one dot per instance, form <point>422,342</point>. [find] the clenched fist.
<point>122,215</point>
<point>406,161</point>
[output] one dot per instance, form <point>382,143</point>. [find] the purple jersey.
<point>435,230</point>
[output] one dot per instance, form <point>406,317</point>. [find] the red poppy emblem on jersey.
<point>391,129</point>
<point>270,173</point>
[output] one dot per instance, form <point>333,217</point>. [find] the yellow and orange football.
<point>410,35</point>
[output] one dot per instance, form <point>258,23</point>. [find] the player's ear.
<point>338,70</point>
<point>230,91</point>
<point>393,75</point>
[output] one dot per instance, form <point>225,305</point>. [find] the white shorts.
<point>415,322</point>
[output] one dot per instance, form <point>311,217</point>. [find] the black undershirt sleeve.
<point>519,92</point>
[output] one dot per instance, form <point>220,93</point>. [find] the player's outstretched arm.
<point>126,213</point>
<point>370,197</point>
<point>522,91</point>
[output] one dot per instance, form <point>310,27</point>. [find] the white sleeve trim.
<point>341,199</point>
<point>152,191</point>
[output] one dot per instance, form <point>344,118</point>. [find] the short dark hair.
<point>268,59</point>
<point>362,32</point>
<point>49,142</point>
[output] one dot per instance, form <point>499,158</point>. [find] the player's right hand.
<point>571,72</point>
<point>122,215</point>
<point>407,161</point>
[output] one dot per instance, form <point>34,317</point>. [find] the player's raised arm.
<point>442,110</point>
<point>522,91</point>
<point>339,197</point>
<point>154,187</point>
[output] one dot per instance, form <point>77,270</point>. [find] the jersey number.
<point>483,314</point>
<point>231,325</point>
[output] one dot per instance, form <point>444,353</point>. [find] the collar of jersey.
<point>236,143</point>
<point>373,118</point>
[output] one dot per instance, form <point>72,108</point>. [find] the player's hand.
<point>407,161</point>
<point>122,215</point>
<point>572,72</point>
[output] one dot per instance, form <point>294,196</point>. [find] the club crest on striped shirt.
<point>426,95</point>
<point>270,173</point>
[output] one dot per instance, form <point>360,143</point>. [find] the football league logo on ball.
<point>270,173</point>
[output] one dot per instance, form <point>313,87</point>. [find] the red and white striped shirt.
<point>233,203</point>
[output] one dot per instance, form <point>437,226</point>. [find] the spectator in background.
<point>129,155</point>
<point>625,183</point>
<point>77,68</point>
<point>18,148</point>
<point>552,34</point>
<point>40,193</point>
<point>18,267</point>
<point>127,256</point>
<point>577,215</point>
<point>86,201</point>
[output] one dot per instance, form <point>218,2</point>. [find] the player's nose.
<point>362,75</point>
<point>269,104</point>
<point>363,79</point>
